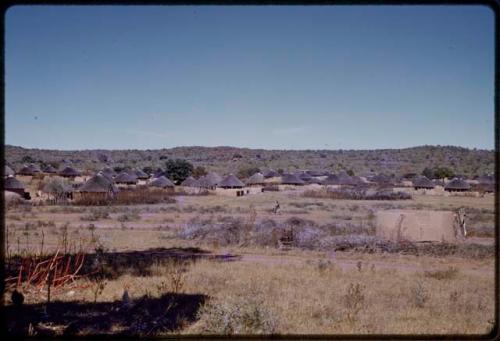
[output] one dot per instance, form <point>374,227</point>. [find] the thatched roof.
<point>8,171</point>
<point>423,182</point>
<point>162,182</point>
<point>125,178</point>
<point>107,175</point>
<point>34,168</point>
<point>141,175</point>
<point>291,179</point>
<point>382,179</point>
<point>158,172</point>
<point>457,184</point>
<point>12,183</point>
<point>231,181</point>
<point>190,182</point>
<point>205,182</point>
<point>486,179</point>
<point>26,170</point>
<point>109,172</point>
<point>214,178</point>
<point>270,173</point>
<point>256,179</point>
<point>49,169</point>
<point>346,179</point>
<point>97,184</point>
<point>331,179</point>
<point>69,171</point>
<point>314,173</point>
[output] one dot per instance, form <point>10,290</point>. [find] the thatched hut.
<point>96,189</point>
<point>382,180</point>
<point>190,182</point>
<point>69,172</point>
<point>50,170</point>
<point>8,171</point>
<point>162,182</point>
<point>141,175</point>
<point>457,185</point>
<point>231,181</point>
<point>291,179</point>
<point>331,179</point>
<point>29,170</point>
<point>11,184</point>
<point>256,180</point>
<point>125,179</point>
<point>108,172</point>
<point>422,182</point>
<point>214,178</point>
<point>345,179</point>
<point>270,173</point>
<point>158,172</point>
<point>486,179</point>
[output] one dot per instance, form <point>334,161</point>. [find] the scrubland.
<point>213,265</point>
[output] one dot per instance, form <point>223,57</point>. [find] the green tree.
<point>27,159</point>
<point>178,170</point>
<point>350,172</point>
<point>429,173</point>
<point>147,169</point>
<point>443,172</point>
<point>247,171</point>
<point>199,171</point>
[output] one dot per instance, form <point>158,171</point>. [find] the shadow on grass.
<point>141,317</point>
<point>137,263</point>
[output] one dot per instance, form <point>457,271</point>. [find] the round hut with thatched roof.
<point>69,172</point>
<point>214,178</point>
<point>162,182</point>
<point>231,181</point>
<point>422,182</point>
<point>141,175</point>
<point>190,182</point>
<point>125,178</point>
<point>8,171</point>
<point>256,180</point>
<point>11,184</point>
<point>158,172</point>
<point>29,170</point>
<point>331,180</point>
<point>457,185</point>
<point>291,179</point>
<point>50,170</point>
<point>95,190</point>
<point>270,173</point>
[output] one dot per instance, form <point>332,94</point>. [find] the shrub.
<point>354,300</point>
<point>419,294</point>
<point>237,315</point>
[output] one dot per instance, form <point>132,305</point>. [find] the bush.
<point>237,315</point>
<point>178,170</point>
<point>356,194</point>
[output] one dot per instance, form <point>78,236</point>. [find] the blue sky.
<point>273,77</point>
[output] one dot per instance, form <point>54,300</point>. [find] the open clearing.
<point>247,287</point>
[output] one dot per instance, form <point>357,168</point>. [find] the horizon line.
<point>250,148</point>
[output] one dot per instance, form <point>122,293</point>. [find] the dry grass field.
<point>182,277</point>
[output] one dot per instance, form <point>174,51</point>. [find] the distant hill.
<point>469,162</point>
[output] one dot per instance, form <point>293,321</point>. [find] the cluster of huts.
<point>106,182</point>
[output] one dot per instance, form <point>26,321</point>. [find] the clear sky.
<point>273,77</point>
